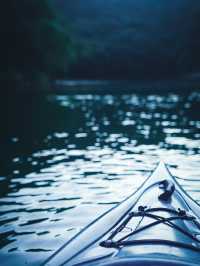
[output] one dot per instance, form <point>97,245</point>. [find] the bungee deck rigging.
<point>144,212</point>
<point>159,216</point>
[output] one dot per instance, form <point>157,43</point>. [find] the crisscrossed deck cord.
<point>159,219</point>
<point>130,216</point>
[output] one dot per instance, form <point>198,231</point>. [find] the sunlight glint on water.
<point>92,152</point>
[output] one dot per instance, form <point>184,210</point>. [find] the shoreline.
<point>79,86</point>
<point>124,86</point>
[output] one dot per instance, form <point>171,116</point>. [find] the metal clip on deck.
<point>168,188</point>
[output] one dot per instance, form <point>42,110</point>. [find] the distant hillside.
<point>134,38</point>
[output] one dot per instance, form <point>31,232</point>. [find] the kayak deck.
<point>159,222</point>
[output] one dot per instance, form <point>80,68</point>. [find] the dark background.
<point>131,39</point>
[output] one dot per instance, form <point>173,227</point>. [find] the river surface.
<point>68,158</point>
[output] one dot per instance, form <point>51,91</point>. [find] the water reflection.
<point>80,154</point>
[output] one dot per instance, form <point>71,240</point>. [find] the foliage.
<point>34,42</point>
<point>133,39</point>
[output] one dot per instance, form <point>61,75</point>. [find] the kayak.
<point>159,224</point>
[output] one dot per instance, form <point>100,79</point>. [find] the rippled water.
<point>68,158</point>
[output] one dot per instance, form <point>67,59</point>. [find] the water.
<point>68,158</point>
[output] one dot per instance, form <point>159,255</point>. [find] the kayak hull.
<point>148,262</point>
<point>156,224</point>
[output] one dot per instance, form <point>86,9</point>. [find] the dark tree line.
<point>132,39</point>
<point>35,44</point>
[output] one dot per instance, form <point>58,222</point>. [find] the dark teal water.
<point>68,158</point>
